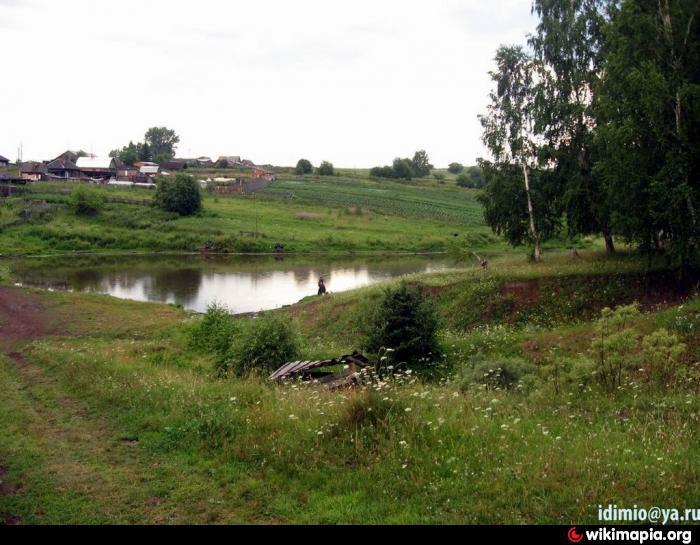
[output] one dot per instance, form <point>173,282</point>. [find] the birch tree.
<point>508,133</point>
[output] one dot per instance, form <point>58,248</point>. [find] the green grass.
<point>114,419</point>
<point>348,213</point>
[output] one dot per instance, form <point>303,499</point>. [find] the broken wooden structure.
<point>321,371</point>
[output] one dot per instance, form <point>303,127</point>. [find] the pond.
<point>242,283</point>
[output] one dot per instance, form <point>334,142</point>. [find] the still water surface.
<point>243,283</point>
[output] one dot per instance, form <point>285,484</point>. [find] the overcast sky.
<point>354,82</point>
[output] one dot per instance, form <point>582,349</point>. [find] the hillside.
<point>345,213</point>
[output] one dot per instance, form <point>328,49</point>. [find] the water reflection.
<point>243,283</point>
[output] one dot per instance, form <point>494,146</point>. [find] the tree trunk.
<point>609,243</point>
<point>531,213</point>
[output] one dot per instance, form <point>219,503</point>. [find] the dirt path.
<point>22,319</point>
<point>76,448</point>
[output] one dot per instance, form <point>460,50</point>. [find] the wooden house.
<point>4,161</point>
<point>63,168</point>
<point>33,171</point>
<point>173,165</point>
<point>98,168</point>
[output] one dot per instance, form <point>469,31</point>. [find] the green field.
<point>107,415</point>
<point>345,213</point>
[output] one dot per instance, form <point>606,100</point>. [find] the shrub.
<point>455,168</point>
<point>501,374</point>
<point>304,166</point>
<point>215,332</point>
<point>265,345</point>
<point>613,344</point>
<point>382,172</point>
<point>405,321</point>
<point>180,194</point>
<point>85,201</point>
<point>326,169</point>
<point>472,178</point>
<point>661,352</point>
<point>564,372</point>
<point>440,177</point>
<point>403,168</point>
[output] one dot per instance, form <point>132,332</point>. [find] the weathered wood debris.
<point>322,371</point>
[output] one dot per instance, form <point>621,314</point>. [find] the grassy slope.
<point>114,420</point>
<point>343,213</point>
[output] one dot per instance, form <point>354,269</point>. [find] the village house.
<point>4,161</point>
<point>71,156</point>
<point>148,169</point>
<point>98,168</point>
<point>229,161</point>
<point>173,165</point>
<point>127,173</point>
<point>260,173</point>
<point>62,168</point>
<point>33,171</point>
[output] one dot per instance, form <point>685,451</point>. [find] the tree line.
<point>593,127</point>
<point>159,145</point>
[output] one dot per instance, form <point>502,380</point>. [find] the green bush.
<point>473,178</point>
<point>500,374</point>
<point>304,166</point>
<point>404,321</point>
<point>180,194</point>
<point>85,201</point>
<point>214,332</point>
<point>661,352</point>
<point>613,344</point>
<point>455,168</point>
<point>265,345</point>
<point>326,169</point>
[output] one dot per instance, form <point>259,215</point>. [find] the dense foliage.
<point>472,177</point>
<point>85,201</point>
<point>304,166</point>
<point>180,194</point>
<point>405,323</point>
<point>601,115</point>
<point>455,168</point>
<point>326,169</point>
<point>159,145</point>
<point>404,168</point>
<point>265,345</point>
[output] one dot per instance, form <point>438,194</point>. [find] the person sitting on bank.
<point>321,286</point>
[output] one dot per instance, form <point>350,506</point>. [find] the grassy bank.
<point>349,213</point>
<point>108,416</point>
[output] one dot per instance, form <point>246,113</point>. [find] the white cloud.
<point>357,83</point>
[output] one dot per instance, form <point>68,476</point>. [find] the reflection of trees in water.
<point>181,284</point>
<point>187,279</point>
<point>302,276</point>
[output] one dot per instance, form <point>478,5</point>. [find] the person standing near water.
<point>321,286</point>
